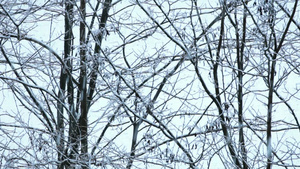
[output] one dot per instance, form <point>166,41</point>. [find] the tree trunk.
<point>64,79</point>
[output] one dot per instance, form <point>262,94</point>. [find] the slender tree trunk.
<point>272,63</point>
<point>217,91</point>
<point>240,61</point>
<point>83,121</point>
<point>64,79</point>
<point>269,117</point>
<point>133,143</point>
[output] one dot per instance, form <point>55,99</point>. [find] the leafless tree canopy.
<point>149,84</point>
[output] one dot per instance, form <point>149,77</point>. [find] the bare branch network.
<point>149,84</point>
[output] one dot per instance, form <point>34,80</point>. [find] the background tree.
<point>149,84</point>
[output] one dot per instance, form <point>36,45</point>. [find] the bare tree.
<point>149,84</point>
